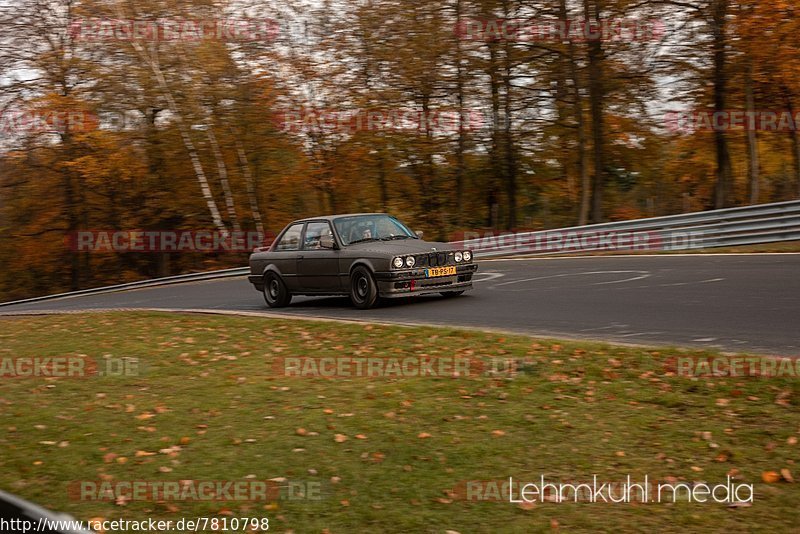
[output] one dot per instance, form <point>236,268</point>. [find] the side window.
<point>314,231</point>
<point>291,239</point>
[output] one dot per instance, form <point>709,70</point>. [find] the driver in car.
<point>312,241</point>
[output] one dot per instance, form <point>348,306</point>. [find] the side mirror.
<point>419,233</point>
<point>326,241</point>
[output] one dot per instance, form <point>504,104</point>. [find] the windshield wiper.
<point>364,240</point>
<point>392,237</point>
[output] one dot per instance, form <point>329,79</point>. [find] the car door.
<point>317,267</point>
<point>285,255</point>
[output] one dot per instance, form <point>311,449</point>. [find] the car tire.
<point>450,294</point>
<point>275,292</point>
<point>363,290</point>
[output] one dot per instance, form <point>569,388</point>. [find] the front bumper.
<point>394,284</point>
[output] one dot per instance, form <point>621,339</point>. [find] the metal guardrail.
<point>762,223</point>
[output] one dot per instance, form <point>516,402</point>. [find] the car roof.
<point>333,217</point>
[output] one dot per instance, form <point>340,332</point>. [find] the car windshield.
<point>360,228</point>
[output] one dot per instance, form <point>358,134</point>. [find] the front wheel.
<point>363,290</point>
<point>452,293</point>
<point>275,292</point>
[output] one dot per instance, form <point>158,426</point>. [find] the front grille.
<point>437,259</point>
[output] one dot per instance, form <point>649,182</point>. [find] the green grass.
<point>571,412</point>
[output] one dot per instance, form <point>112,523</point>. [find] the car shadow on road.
<point>344,303</point>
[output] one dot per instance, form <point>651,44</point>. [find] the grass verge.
<point>388,454</point>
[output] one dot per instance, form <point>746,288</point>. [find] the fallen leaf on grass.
<point>424,435</point>
<point>770,477</point>
<point>783,398</point>
<point>340,438</point>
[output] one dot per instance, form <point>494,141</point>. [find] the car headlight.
<point>398,263</point>
<point>467,255</point>
<point>459,257</point>
<point>411,261</point>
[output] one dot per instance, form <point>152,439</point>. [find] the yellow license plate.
<point>440,271</point>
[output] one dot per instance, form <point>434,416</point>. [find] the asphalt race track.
<point>742,303</point>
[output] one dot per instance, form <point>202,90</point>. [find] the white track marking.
<point>640,276</point>
<point>490,276</point>
<point>710,280</point>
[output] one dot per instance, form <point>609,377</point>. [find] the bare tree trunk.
<point>795,142</point>
<point>596,96</point>
<point>577,106</point>
<point>461,146</point>
<point>752,139</point>
<point>222,169</point>
<point>496,165</point>
<point>151,60</point>
<point>723,196</point>
<point>508,137</point>
<point>384,187</point>
<point>251,187</point>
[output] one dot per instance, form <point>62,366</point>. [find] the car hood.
<point>406,246</point>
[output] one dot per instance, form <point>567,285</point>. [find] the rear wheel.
<point>452,293</point>
<point>275,292</point>
<point>363,290</point>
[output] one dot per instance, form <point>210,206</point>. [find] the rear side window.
<point>290,239</point>
<point>314,231</point>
